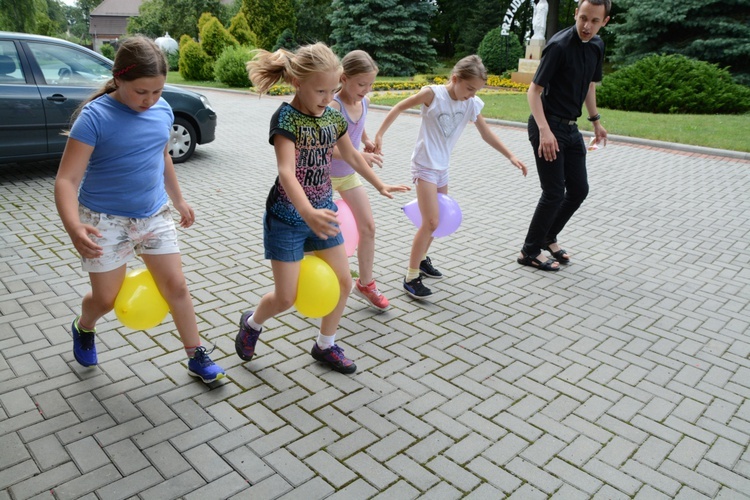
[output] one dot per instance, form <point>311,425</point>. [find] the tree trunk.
<point>552,16</point>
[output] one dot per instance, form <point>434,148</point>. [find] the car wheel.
<point>182,140</point>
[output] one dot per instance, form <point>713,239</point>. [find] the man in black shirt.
<point>565,80</point>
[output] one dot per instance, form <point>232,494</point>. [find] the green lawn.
<point>713,131</point>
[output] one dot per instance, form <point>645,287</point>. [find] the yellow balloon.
<point>139,305</point>
<point>318,289</point>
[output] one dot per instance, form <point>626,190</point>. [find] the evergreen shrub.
<point>108,51</point>
<point>673,84</point>
<point>173,60</point>
<point>215,38</point>
<point>230,67</point>
<point>500,53</point>
<point>195,64</point>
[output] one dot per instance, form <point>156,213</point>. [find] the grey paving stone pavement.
<point>624,375</point>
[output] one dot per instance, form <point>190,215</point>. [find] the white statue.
<point>539,21</point>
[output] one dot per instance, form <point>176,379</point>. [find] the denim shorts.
<point>124,237</point>
<point>437,177</point>
<point>287,243</point>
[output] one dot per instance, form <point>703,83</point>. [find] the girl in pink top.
<point>356,82</point>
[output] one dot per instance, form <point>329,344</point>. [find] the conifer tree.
<point>715,31</point>
<point>394,32</point>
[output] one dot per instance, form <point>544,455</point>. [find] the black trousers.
<point>564,184</point>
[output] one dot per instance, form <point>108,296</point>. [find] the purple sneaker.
<point>334,357</point>
<point>246,339</point>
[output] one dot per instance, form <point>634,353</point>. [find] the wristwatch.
<point>594,118</point>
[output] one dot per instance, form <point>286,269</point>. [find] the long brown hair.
<point>137,57</point>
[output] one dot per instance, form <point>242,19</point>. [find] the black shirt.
<point>566,69</point>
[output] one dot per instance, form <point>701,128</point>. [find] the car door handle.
<point>57,98</point>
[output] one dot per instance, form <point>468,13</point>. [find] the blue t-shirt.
<point>314,138</point>
<point>125,174</point>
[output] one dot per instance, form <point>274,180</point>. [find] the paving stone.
<point>333,470</point>
<point>622,378</point>
<point>87,454</point>
<point>127,457</point>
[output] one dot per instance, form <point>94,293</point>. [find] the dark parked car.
<point>43,80</point>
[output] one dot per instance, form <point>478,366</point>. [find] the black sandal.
<point>560,255</point>
<point>535,262</point>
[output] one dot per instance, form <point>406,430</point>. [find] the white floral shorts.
<point>124,237</point>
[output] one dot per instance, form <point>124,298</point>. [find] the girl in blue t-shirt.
<point>112,188</point>
<point>300,214</point>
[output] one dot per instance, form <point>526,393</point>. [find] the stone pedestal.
<point>528,65</point>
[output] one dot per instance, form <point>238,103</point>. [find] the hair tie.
<point>123,70</point>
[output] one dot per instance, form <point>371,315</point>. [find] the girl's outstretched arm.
<point>423,97</point>
<point>493,140</point>
<point>359,164</point>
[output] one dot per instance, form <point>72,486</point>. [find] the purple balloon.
<point>448,210</point>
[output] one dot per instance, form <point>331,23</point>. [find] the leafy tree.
<point>268,19</point>
<point>482,17</point>
<point>500,53</point>
<point>43,17</point>
<point>240,30</point>
<point>16,14</point>
<point>178,17</point>
<point>709,30</point>
<point>394,32</point>
<point>312,20</point>
<point>459,26</point>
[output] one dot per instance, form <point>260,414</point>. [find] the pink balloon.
<point>448,211</point>
<point>348,226</point>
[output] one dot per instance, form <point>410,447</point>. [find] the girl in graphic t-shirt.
<point>300,214</point>
<point>446,109</point>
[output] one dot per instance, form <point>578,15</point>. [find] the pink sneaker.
<point>371,294</point>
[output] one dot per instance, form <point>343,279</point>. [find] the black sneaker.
<point>334,357</point>
<point>416,289</point>
<point>426,269</point>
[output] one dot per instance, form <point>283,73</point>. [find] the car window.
<point>10,67</point>
<point>66,66</point>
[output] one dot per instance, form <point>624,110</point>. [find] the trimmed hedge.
<point>230,67</point>
<point>673,84</point>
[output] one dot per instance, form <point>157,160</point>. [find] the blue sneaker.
<point>246,339</point>
<point>201,366</point>
<point>84,348</point>
<point>334,357</point>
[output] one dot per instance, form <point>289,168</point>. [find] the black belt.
<point>558,119</point>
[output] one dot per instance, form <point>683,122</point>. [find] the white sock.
<point>252,324</point>
<point>411,274</point>
<point>326,341</point>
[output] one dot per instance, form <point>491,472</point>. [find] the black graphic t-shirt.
<point>314,138</point>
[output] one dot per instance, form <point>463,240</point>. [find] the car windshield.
<point>69,66</point>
